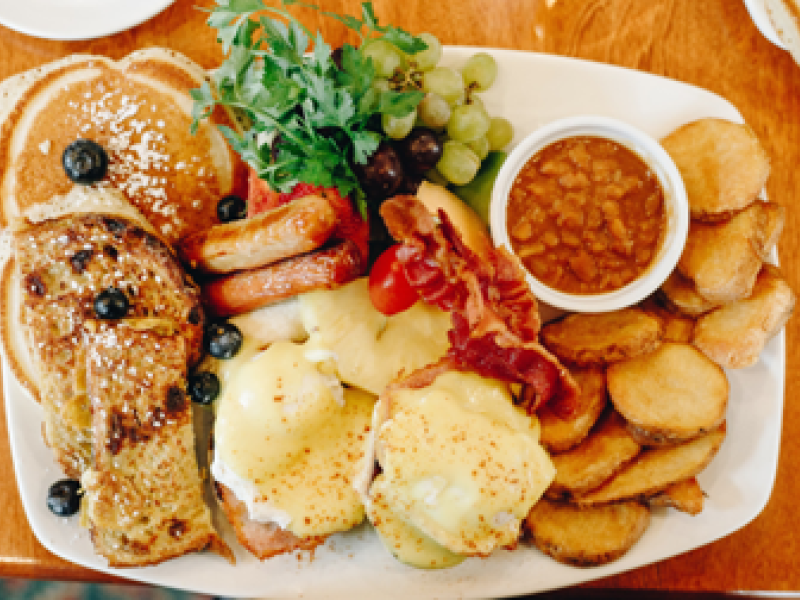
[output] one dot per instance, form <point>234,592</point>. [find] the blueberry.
<point>204,387</point>
<point>85,162</point>
<point>231,208</point>
<point>111,303</point>
<point>64,497</point>
<point>223,340</point>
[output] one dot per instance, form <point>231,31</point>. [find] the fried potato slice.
<point>677,327</point>
<point>560,434</point>
<point>679,293</point>
<point>670,395</point>
<point>608,447</point>
<point>686,496</point>
<point>586,537</point>
<point>655,469</point>
<point>598,339</point>
<point>723,259</point>
<point>723,166</point>
<point>734,335</point>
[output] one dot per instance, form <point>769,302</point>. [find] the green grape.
<point>467,123</point>
<point>428,58</point>
<point>458,164</point>
<point>479,71</point>
<point>386,57</point>
<point>435,177</point>
<point>500,133</point>
<point>381,84</point>
<point>480,147</point>
<point>445,82</point>
<point>476,101</point>
<point>398,127</point>
<point>434,111</point>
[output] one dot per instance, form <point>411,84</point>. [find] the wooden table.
<point>709,43</point>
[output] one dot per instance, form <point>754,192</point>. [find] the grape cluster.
<point>450,132</point>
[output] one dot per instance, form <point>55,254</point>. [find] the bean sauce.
<point>586,215</point>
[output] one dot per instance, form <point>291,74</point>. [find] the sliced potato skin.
<point>723,165</point>
<point>585,467</point>
<point>560,434</point>
<point>679,292</point>
<point>686,496</point>
<point>600,339</point>
<point>655,469</point>
<point>586,537</point>
<point>723,259</point>
<point>670,395</point>
<point>734,335</point>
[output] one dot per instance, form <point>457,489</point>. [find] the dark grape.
<point>421,150</point>
<point>382,175</point>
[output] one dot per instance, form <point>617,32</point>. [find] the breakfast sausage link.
<point>288,230</point>
<point>248,290</point>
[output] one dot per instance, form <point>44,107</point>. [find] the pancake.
<point>139,110</point>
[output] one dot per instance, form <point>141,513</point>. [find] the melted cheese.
<point>370,349</point>
<point>406,543</point>
<point>461,463</point>
<point>292,439</point>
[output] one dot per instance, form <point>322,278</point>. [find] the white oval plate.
<point>758,12</point>
<point>531,90</point>
<point>77,19</point>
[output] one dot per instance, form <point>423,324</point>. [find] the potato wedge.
<point>677,327</point>
<point>670,395</point>
<point>586,537</point>
<point>598,339</point>
<point>679,293</point>
<point>558,434</point>
<point>734,335</point>
<point>655,469</point>
<point>723,259</point>
<point>585,467</point>
<point>686,496</point>
<point>723,166</point>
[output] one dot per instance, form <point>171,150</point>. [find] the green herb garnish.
<point>287,86</point>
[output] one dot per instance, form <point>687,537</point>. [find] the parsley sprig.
<point>286,85</point>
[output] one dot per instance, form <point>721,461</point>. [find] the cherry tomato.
<point>389,288</point>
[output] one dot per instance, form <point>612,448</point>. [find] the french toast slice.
<point>139,110</point>
<point>59,267</point>
<point>143,497</point>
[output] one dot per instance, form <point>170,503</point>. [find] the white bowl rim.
<point>654,155</point>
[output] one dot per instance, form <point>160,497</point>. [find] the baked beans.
<point>586,215</point>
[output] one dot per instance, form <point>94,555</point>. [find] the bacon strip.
<point>495,315</point>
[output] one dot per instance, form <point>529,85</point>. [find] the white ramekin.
<point>675,201</point>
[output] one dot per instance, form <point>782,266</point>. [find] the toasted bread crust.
<point>143,493</point>
<point>63,265</point>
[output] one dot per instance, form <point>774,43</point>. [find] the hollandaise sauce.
<point>291,440</point>
<point>461,463</point>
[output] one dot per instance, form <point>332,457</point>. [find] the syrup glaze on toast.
<point>143,493</point>
<point>63,265</point>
